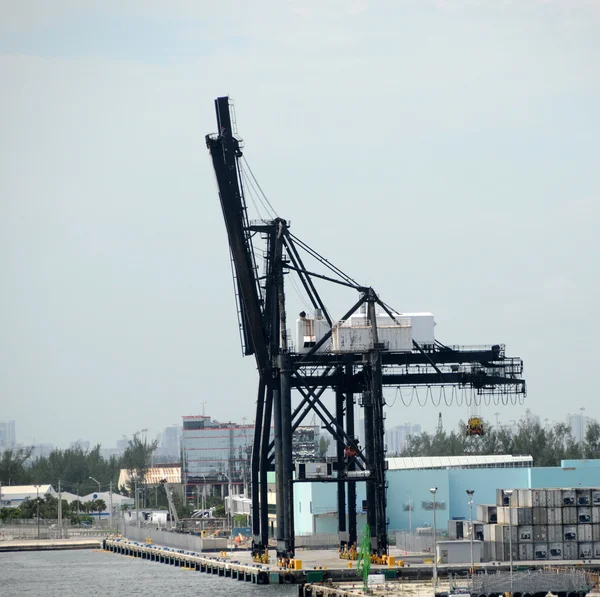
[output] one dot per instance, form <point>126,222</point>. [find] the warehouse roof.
<point>154,475</point>
<point>442,462</point>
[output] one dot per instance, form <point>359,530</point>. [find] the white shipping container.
<point>569,515</point>
<point>525,552</point>
<point>540,551</point>
<point>482,513</point>
<point>309,330</point>
<point>525,534</point>
<point>571,551</point>
<point>595,513</point>
<point>540,515</point>
<point>504,499</point>
<point>555,516</point>
<point>583,497</point>
<point>538,498</point>
<point>422,325</point>
<point>595,497</point>
<point>570,533</point>
<point>584,515</point>
<point>597,551</point>
<point>508,531</point>
<point>555,533</point>
<point>584,533</point>
<point>585,551</point>
<point>554,498</point>
<point>524,498</point>
<point>540,533</point>
<point>568,496</point>
<point>359,338</point>
<point>555,551</point>
<point>596,532</point>
<point>502,514</point>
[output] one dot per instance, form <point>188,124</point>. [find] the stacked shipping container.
<point>546,524</point>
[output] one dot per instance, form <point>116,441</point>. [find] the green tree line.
<point>73,467</point>
<point>548,446</point>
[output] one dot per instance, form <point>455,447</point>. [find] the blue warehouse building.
<point>409,481</point>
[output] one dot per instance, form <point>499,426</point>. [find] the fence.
<point>412,542</point>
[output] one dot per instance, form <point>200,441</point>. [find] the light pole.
<point>470,493</point>
<point>509,493</point>
<point>96,481</point>
<point>37,491</point>
<point>433,491</point>
<point>582,409</point>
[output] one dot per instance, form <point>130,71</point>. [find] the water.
<point>103,574</point>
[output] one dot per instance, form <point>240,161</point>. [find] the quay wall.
<point>176,540</point>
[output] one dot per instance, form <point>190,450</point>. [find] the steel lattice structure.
<point>361,375</point>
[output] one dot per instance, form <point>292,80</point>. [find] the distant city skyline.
<point>170,437</point>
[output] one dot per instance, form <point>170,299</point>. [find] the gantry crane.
<point>319,362</point>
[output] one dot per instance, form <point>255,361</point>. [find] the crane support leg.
<point>340,454</point>
<point>286,455</point>
<point>255,465</point>
<point>263,470</point>
<point>352,535</point>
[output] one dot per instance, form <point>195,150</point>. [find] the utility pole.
<point>59,509</point>
<point>110,505</point>
<point>37,490</point>
<point>582,409</point>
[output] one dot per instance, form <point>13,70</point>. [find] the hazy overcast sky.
<point>445,153</point>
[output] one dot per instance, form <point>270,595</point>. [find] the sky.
<point>443,152</point>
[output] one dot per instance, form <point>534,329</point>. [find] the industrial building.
<point>409,500</point>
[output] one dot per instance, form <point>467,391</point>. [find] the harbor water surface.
<point>102,574</point>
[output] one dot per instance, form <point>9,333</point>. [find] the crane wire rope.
<point>259,187</point>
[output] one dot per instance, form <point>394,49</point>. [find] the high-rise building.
<point>8,437</point>
<point>396,438</point>
<point>169,448</point>
<point>579,424</point>
<point>216,456</point>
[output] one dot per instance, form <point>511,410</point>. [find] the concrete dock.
<point>49,544</point>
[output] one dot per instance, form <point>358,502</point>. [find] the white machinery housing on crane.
<point>354,334</point>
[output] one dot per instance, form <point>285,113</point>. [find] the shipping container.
<point>555,533</point>
<point>478,528</point>
<point>583,497</point>
<point>584,515</point>
<point>596,532</point>
<point>486,513</point>
<point>540,551</point>
<point>525,534</point>
<point>540,515</point>
<point>569,516</point>
<point>540,533</point>
<point>555,551</point>
<point>570,532</point>
<point>596,514</point>
<point>571,551</point>
<point>555,516</point>
<point>595,497</point>
<point>554,498</point>
<point>503,499</point>
<point>525,551</point>
<point>524,498</point>
<point>538,498</point>
<point>507,532</point>
<point>597,551</point>
<point>522,516</point>
<point>502,514</point>
<point>452,533</point>
<point>585,551</point>
<point>584,533</point>
<point>568,496</point>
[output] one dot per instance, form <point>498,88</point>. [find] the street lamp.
<point>96,481</point>
<point>433,491</point>
<point>37,491</point>
<point>470,493</point>
<point>509,493</point>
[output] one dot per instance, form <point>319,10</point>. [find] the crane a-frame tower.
<point>351,375</point>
